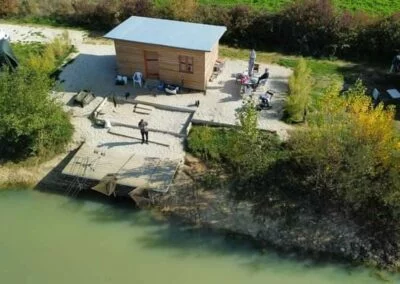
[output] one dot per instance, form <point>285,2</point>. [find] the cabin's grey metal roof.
<point>168,33</point>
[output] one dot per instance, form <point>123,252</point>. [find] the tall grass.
<point>300,84</point>
<point>51,56</point>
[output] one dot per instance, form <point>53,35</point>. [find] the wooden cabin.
<point>174,52</point>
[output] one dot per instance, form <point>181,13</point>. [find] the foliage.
<point>8,7</point>
<point>102,14</point>
<point>350,154</point>
<point>248,119</point>
<point>211,180</point>
<point>135,8</point>
<point>300,84</point>
<point>346,159</point>
<point>385,30</point>
<point>374,7</point>
<point>239,21</point>
<point>46,59</point>
<point>183,10</point>
<point>380,7</point>
<point>245,149</point>
<point>24,51</point>
<point>310,27</point>
<point>209,143</point>
<point>232,147</point>
<point>31,123</point>
<point>323,71</point>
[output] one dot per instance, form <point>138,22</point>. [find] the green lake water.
<point>47,238</point>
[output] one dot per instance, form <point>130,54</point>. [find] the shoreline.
<point>321,238</point>
<point>326,236</point>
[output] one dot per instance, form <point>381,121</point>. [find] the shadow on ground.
<point>93,72</point>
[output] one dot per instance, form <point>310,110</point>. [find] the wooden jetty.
<point>133,170</point>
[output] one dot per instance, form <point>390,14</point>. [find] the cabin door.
<point>151,64</point>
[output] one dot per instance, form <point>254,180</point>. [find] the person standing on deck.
<point>144,131</point>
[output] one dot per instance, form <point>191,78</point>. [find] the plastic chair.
<point>137,78</point>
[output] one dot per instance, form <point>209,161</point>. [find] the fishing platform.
<point>113,168</point>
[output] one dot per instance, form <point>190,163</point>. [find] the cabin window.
<point>185,64</point>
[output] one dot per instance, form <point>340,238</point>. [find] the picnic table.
<point>393,93</point>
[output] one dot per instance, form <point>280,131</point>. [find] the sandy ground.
<point>28,33</point>
<point>223,98</point>
<point>93,69</point>
<point>98,137</point>
<point>172,121</point>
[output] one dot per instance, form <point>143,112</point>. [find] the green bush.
<point>31,123</point>
<point>309,27</point>
<point>346,159</point>
<point>209,143</point>
<point>350,154</point>
<point>24,51</point>
<point>300,84</point>
<point>8,7</point>
<point>233,148</point>
<point>50,57</point>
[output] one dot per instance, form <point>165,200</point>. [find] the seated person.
<point>264,76</point>
<point>244,79</point>
<point>266,99</point>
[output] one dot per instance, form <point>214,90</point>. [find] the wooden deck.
<point>131,169</point>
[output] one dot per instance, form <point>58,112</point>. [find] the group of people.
<point>250,84</point>
<point>253,83</point>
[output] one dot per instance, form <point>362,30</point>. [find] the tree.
<point>183,10</point>
<point>8,7</point>
<point>248,119</point>
<point>129,8</point>
<point>300,84</point>
<point>31,122</point>
<point>350,153</point>
<point>309,26</point>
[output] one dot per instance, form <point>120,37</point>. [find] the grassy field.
<point>379,7</point>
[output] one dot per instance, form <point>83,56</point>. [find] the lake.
<point>46,238</point>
